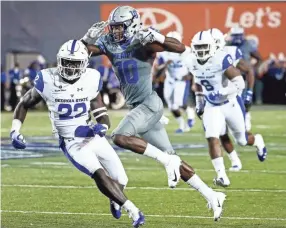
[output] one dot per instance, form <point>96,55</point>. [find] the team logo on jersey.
<point>79,89</point>
<point>152,16</point>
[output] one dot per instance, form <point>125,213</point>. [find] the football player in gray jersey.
<point>131,51</point>
<point>249,51</point>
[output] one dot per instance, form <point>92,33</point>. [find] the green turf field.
<point>50,192</point>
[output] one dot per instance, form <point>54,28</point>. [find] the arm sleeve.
<point>100,44</point>
<point>227,62</point>
<point>39,84</point>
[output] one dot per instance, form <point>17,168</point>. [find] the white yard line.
<point>134,188</point>
<point>158,216</point>
<point>142,168</point>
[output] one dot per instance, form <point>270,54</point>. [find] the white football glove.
<point>95,32</point>
<point>150,35</point>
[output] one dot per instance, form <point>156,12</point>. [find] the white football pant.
<point>176,94</point>
<point>91,154</point>
<point>231,115</point>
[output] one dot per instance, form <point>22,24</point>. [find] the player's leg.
<point>190,115</point>
<point>110,161</point>
<point>214,124</point>
<point>169,98</point>
<point>181,94</point>
<point>80,152</point>
<point>235,118</point>
<point>190,110</point>
<point>158,137</point>
<point>231,152</point>
<point>248,121</point>
<point>139,120</point>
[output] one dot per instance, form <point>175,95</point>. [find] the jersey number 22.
<point>69,111</point>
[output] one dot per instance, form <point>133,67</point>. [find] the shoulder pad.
<point>100,42</point>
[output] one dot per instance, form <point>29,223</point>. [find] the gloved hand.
<point>216,96</point>
<point>199,112</point>
<point>100,129</point>
<point>95,31</point>
<point>200,104</point>
<point>145,36</point>
<point>150,35</point>
<point>18,140</point>
<point>248,99</point>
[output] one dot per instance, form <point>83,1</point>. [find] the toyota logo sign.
<point>150,17</point>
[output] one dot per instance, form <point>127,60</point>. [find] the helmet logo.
<point>134,13</point>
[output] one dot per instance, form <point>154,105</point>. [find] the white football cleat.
<point>221,181</point>
<point>235,168</point>
<point>173,171</point>
<point>261,149</point>
<point>216,204</point>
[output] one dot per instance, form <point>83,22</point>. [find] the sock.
<point>218,165</point>
<point>181,122</point>
<point>190,113</point>
<point>131,209</point>
<point>233,157</point>
<point>196,182</point>
<point>153,152</point>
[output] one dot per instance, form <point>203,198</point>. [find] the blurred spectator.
<point>274,79</point>
<point>15,74</point>
<point>3,85</point>
<point>112,96</point>
<point>32,70</point>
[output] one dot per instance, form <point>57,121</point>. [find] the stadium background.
<point>45,190</point>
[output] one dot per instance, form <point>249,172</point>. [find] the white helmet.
<point>203,45</point>
<point>218,37</point>
<point>175,35</point>
<point>128,18</point>
<point>72,59</point>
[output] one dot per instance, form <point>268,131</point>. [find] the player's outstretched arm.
<point>93,50</point>
<point>99,111</point>
<point>245,67</point>
<point>249,72</point>
<point>257,56</point>
<point>170,44</point>
<point>30,99</point>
